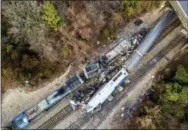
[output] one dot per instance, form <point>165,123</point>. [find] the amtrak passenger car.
<point>106,90</point>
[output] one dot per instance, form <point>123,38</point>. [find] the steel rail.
<point>136,78</point>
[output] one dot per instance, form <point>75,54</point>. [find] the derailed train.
<point>100,96</point>
<point>25,117</point>
<point>105,91</point>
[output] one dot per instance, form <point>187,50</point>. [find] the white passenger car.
<point>106,90</point>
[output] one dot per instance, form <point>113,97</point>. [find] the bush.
<point>133,7</point>
<point>129,8</point>
<point>116,17</point>
<point>181,74</point>
<point>66,51</point>
<point>106,33</point>
<point>130,11</point>
<point>175,99</point>
<point>51,17</point>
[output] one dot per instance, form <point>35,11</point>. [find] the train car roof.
<point>20,121</point>
<point>102,94</point>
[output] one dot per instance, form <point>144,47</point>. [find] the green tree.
<point>169,112</point>
<point>50,16</point>
<point>181,74</point>
<point>130,11</point>
<point>175,99</point>
<point>129,8</point>
<point>132,7</point>
<point>177,93</point>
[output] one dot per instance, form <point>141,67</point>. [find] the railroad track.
<point>53,121</point>
<point>101,119</point>
<point>171,27</point>
<point>135,78</point>
<point>92,126</point>
<point>65,112</point>
<point>107,107</point>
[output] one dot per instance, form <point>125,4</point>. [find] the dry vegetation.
<point>40,39</point>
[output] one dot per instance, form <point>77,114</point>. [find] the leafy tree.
<point>175,99</point>
<point>130,11</point>
<point>181,74</point>
<point>129,8</point>
<point>51,16</point>
<point>132,7</point>
<point>26,24</point>
<point>170,111</point>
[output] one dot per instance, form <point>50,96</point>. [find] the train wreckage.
<point>107,72</point>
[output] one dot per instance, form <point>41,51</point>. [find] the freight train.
<point>92,69</point>
<point>105,91</point>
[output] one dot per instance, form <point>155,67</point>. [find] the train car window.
<point>117,76</point>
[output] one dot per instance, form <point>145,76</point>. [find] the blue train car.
<point>24,118</point>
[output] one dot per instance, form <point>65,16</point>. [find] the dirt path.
<point>17,100</point>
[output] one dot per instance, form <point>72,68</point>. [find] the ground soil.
<point>18,99</point>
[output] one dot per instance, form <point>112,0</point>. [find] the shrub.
<point>129,8</point>
<point>106,33</point>
<point>116,17</point>
<point>181,74</point>
<point>66,51</point>
<point>130,11</point>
